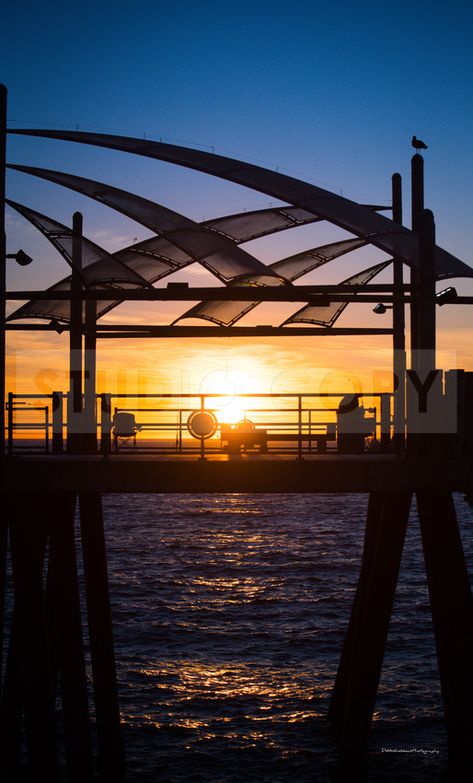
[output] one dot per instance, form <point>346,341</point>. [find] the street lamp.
<point>20,257</point>
<point>447,296</point>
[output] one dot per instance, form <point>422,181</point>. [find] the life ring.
<point>202,424</point>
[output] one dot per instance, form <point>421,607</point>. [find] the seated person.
<point>352,425</point>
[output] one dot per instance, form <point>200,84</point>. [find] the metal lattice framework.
<point>179,241</point>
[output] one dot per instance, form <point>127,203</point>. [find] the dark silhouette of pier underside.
<point>243,473</point>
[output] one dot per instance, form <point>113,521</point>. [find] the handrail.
<point>298,414</point>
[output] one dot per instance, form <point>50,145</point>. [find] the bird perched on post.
<point>418,144</point>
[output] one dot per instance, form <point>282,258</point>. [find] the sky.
<point>329,93</point>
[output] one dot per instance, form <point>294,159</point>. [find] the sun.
<point>230,408</point>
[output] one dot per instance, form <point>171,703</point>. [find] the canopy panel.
<point>97,264</point>
<point>246,226</point>
<point>291,268</point>
<point>379,230</point>
<point>326,316</point>
<point>216,252</point>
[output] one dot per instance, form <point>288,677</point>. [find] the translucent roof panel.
<point>302,263</point>
<point>353,217</point>
<point>97,264</point>
<point>246,226</point>
<point>228,260</point>
<point>326,316</point>
<point>58,308</point>
<point>228,313</point>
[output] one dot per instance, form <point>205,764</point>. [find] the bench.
<point>249,437</point>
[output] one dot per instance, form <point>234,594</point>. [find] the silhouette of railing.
<point>283,423</point>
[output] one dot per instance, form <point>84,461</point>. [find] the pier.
<point>60,452</point>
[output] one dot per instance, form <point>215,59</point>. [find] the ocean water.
<point>229,615</point>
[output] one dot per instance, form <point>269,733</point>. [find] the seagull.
<point>418,144</point>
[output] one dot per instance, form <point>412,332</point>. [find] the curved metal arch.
<point>379,230</point>
<point>102,267</point>
<point>216,252</point>
<point>293,267</point>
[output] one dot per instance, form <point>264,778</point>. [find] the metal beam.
<point>233,294</point>
<point>233,331</point>
<point>132,330</point>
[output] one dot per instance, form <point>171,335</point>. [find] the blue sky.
<point>331,93</point>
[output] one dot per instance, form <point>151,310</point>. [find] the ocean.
<point>229,616</point>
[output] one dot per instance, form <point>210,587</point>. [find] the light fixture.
<point>446,296</point>
<point>21,258</point>
<point>381,308</point>
<point>56,325</point>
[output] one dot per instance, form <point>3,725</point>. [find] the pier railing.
<point>275,423</point>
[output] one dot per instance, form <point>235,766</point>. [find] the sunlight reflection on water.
<point>230,612</point>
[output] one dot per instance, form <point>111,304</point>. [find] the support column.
<point>74,407</point>
<point>370,623</point>
<point>111,751</point>
<point>399,340</point>
<point>338,699</point>
<point>417,209</point>
<point>28,685</point>
<point>90,376</point>
<point>452,614</point>
<point>4,520</point>
<point>64,618</point>
<point>426,302</point>
<point>105,423</point>
<point>3,143</point>
<point>58,422</point>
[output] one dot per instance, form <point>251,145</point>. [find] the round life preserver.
<point>202,424</point>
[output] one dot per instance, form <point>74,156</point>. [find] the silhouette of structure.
<point>45,648</point>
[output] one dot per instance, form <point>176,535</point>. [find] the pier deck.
<point>229,473</point>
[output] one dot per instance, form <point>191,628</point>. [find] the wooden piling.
<point>111,750</point>
<point>338,699</point>
<point>4,515</point>
<point>28,686</point>
<point>452,615</point>
<point>64,619</point>
<point>371,622</point>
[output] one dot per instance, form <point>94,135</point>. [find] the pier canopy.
<point>180,241</point>
<point>291,268</point>
<point>355,218</point>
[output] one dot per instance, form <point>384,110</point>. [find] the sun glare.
<point>230,407</point>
